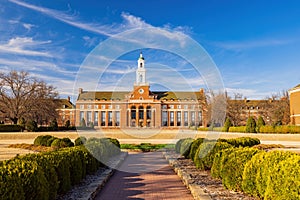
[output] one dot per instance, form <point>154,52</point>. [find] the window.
<point>178,118</point>
<point>164,118</point>
<point>89,106</point>
<point>102,106</point>
<point>141,112</point>
<point>186,107</point>
<point>185,118</point>
<point>89,116</point>
<point>117,106</point>
<point>81,115</point>
<point>164,107</point>
<point>96,118</point>
<point>109,106</point>
<point>193,118</point>
<point>103,118</point>
<point>141,78</point>
<point>109,118</point>
<point>172,106</point>
<point>81,106</point>
<point>133,112</point>
<point>179,106</point>
<point>200,118</point>
<point>117,123</point>
<point>172,118</point>
<point>148,112</point>
<point>96,106</point>
<point>193,107</point>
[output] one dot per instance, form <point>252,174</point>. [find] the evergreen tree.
<point>227,124</point>
<point>260,123</point>
<point>251,125</point>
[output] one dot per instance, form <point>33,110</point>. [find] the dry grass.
<point>31,147</point>
<point>268,146</point>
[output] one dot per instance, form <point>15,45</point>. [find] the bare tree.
<point>234,109</point>
<point>23,96</point>
<point>277,109</point>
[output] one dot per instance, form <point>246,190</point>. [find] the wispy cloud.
<point>24,46</point>
<point>243,45</point>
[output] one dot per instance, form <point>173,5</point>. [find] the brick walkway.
<point>144,176</point>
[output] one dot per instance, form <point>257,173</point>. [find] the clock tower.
<point>141,87</point>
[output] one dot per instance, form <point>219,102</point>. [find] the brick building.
<point>141,107</point>
<point>294,94</point>
<point>65,112</point>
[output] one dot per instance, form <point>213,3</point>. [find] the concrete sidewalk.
<point>144,176</point>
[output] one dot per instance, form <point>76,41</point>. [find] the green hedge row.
<point>279,129</point>
<point>44,175</point>
<point>203,152</point>
<point>51,141</point>
<point>10,128</point>
<point>267,175</point>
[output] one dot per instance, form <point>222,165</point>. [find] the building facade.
<point>294,94</point>
<point>141,107</point>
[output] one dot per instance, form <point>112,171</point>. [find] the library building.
<point>141,107</point>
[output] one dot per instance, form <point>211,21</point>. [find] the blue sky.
<point>254,44</point>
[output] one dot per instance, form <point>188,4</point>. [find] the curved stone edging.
<point>196,190</point>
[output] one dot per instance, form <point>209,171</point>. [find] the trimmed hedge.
<point>185,147</point>
<point>279,129</point>
<point>284,182</point>
<point>251,169</point>
<point>220,158</point>
<point>206,152</point>
<point>10,128</point>
<point>266,168</point>
<point>80,141</point>
<point>238,129</point>
<point>196,143</point>
<point>243,141</point>
<point>232,170</point>
<point>44,175</point>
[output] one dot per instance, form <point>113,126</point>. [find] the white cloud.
<point>28,26</point>
<point>23,46</point>
<point>242,45</point>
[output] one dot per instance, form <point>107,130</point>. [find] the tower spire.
<point>141,71</point>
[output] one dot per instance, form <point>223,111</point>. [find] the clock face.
<point>141,91</point>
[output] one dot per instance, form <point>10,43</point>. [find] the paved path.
<point>144,176</point>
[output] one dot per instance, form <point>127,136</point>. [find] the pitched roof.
<point>296,87</point>
<point>65,104</point>
<point>161,95</point>
<point>87,95</point>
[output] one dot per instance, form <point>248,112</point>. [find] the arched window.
<point>141,112</point>
<point>133,112</point>
<point>148,112</point>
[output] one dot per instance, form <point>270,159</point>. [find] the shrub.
<point>42,140</point>
<point>251,125</point>
<point>250,172</point>
<point>56,143</point>
<point>196,143</point>
<point>185,147</point>
<point>178,145</point>
<point>31,126</point>
<point>238,129</point>
<point>54,125</point>
<point>243,142</point>
<point>267,168</point>
<point>283,182</point>
<point>66,142</point>
<point>67,124</point>
<point>267,129</point>
<point>232,170</point>
<point>220,158</point>
<point>80,141</point>
<point>260,123</point>
<point>202,128</point>
<point>206,152</point>
<point>227,124</point>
